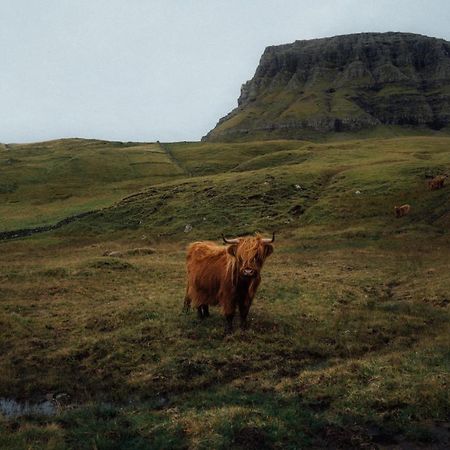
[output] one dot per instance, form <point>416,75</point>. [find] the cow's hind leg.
<point>202,311</point>
<point>187,304</point>
<point>187,300</point>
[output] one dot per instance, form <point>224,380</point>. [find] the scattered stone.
<point>114,254</point>
<point>188,228</point>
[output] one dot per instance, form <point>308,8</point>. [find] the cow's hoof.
<point>228,331</point>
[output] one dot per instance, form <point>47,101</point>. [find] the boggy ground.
<point>348,346</point>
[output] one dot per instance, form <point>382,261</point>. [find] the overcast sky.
<point>163,70</point>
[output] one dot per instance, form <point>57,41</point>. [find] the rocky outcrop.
<point>344,83</point>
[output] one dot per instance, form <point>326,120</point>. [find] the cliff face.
<point>343,83</point>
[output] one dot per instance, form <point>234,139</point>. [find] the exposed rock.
<point>113,254</point>
<point>343,83</point>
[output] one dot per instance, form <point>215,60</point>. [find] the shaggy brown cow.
<point>225,276</point>
<point>437,182</point>
<point>401,211</point>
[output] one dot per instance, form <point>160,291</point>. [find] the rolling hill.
<point>285,185</point>
<point>45,182</point>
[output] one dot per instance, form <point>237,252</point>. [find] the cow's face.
<point>250,254</point>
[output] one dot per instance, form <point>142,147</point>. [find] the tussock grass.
<point>342,342</point>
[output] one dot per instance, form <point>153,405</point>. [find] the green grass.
<point>43,183</point>
<point>204,158</point>
<point>348,343</point>
<point>342,341</point>
<point>295,185</point>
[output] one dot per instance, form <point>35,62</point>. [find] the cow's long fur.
<point>214,274</point>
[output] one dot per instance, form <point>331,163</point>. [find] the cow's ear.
<point>232,250</point>
<point>268,250</point>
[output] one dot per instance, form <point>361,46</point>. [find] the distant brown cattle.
<point>401,211</point>
<point>437,182</point>
<point>225,276</point>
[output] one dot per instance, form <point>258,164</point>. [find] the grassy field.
<point>342,188</point>
<point>43,183</point>
<point>348,345</point>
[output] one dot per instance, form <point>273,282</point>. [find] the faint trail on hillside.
<point>172,157</point>
<point>327,180</point>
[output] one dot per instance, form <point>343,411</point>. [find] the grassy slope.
<point>296,185</point>
<point>43,183</point>
<point>348,343</point>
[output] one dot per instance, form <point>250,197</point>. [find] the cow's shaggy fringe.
<point>249,248</point>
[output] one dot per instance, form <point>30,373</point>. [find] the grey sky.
<point>160,69</point>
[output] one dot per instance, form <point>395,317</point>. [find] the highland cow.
<point>225,276</point>
<point>401,211</point>
<point>437,182</point>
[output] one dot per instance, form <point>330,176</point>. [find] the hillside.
<point>44,182</point>
<point>240,187</point>
<point>348,345</point>
<point>369,84</point>
<point>349,335</point>
<point>347,188</point>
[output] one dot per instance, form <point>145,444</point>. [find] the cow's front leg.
<point>229,323</point>
<point>205,311</point>
<point>243,312</point>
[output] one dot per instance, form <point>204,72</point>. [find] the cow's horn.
<point>269,241</point>
<point>229,241</point>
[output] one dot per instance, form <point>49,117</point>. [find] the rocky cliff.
<point>343,83</point>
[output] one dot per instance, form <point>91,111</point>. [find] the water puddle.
<point>12,408</point>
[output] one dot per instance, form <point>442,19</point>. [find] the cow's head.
<point>249,254</point>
